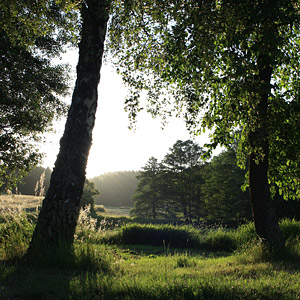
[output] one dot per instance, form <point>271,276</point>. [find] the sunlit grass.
<point>215,278</point>
<point>20,202</point>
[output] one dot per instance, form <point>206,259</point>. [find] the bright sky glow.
<point>115,147</point>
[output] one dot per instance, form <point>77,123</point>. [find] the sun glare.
<point>115,147</point>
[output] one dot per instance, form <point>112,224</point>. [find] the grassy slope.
<point>144,272</point>
<point>20,202</point>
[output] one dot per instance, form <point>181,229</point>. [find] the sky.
<point>115,147</point>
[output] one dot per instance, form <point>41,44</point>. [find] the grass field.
<point>20,202</point>
<point>112,262</point>
<point>117,211</point>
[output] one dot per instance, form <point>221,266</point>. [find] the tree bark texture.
<point>263,210</point>
<point>60,209</point>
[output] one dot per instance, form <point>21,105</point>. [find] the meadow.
<point>118,257</point>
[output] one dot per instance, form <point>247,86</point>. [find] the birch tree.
<point>59,213</point>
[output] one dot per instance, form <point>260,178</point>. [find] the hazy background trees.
<point>28,184</point>
<point>116,188</point>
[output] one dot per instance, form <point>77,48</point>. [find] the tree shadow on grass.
<point>20,281</point>
<point>144,251</point>
<point>51,277</point>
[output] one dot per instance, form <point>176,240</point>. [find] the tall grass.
<point>15,233</point>
<point>99,271</point>
<point>214,239</point>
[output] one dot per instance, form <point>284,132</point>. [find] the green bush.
<point>159,235</point>
<point>290,228</point>
<point>245,234</point>
<point>214,239</point>
<point>220,240</point>
<point>15,235</point>
<point>177,236</point>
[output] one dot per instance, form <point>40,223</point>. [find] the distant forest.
<point>116,188</point>
<point>215,194</point>
<point>36,182</point>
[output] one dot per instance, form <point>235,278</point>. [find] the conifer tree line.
<point>36,182</point>
<point>184,187</point>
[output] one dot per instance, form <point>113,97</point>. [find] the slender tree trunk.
<point>263,210</point>
<point>153,209</point>
<point>58,217</point>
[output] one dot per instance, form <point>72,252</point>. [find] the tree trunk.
<point>263,210</point>
<point>58,217</point>
<point>153,209</point>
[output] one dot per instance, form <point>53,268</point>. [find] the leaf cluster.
<point>31,35</point>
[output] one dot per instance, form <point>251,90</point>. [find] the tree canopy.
<point>205,58</point>
<point>31,35</point>
<point>223,65</point>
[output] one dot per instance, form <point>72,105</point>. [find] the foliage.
<point>225,66</point>
<point>214,238</point>
<point>171,187</point>
<point>222,193</point>
<point>220,240</point>
<point>183,187</point>
<point>246,234</point>
<point>88,195</point>
<point>149,191</point>
<point>15,233</point>
<point>210,66</point>
<point>290,228</point>
<point>46,24</point>
<point>181,166</point>
<point>31,85</point>
<point>159,235</point>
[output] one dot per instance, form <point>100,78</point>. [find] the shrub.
<point>15,234</point>
<point>159,235</point>
<point>245,234</point>
<point>99,208</point>
<point>290,228</point>
<point>178,236</point>
<point>220,240</point>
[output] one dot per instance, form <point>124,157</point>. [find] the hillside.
<point>116,188</point>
